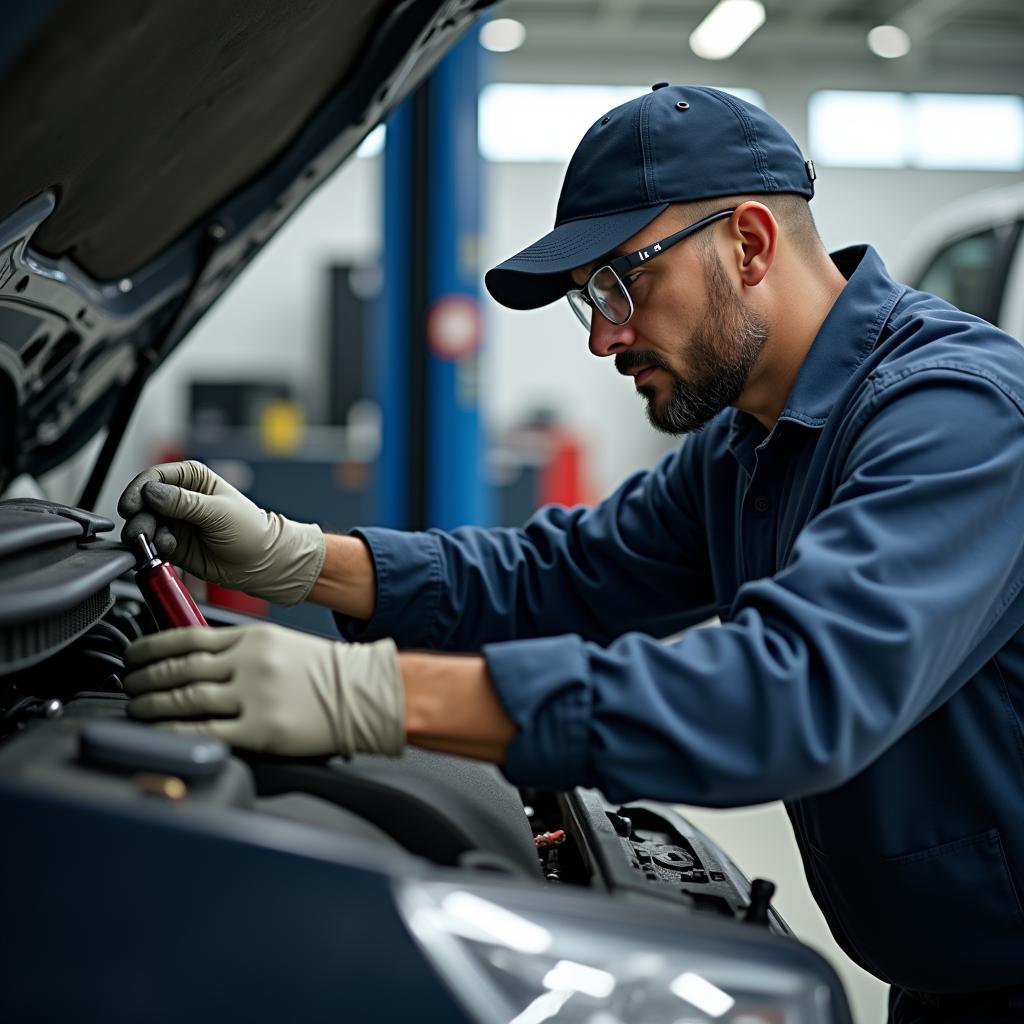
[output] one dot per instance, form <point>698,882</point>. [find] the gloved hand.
<point>283,692</point>
<point>216,533</point>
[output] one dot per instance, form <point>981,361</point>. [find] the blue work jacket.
<point>866,560</point>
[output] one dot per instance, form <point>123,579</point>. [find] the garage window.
<point>532,122</point>
<point>947,131</point>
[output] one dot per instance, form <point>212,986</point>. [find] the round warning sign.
<point>453,327</point>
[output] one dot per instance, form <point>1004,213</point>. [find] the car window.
<point>966,273</point>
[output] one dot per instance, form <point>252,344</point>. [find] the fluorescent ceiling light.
<point>888,41</point>
<point>502,35</point>
<point>729,25</point>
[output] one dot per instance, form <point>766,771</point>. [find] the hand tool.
<point>168,600</point>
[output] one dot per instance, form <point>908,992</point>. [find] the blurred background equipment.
<point>218,408</point>
<point>352,288</point>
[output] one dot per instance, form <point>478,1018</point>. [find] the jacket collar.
<point>850,331</point>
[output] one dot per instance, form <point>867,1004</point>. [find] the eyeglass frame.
<point>622,265</point>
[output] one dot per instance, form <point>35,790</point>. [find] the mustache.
<point>627,361</point>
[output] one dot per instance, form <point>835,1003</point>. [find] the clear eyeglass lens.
<point>609,295</point>
<point>580,307</point>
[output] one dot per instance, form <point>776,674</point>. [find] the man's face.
<point>691,343</point>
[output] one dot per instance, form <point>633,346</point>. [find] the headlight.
<point>517,957</point>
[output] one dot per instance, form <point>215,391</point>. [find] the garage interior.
<point>913,113</point>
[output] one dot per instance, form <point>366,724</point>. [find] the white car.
<point>972,254</point>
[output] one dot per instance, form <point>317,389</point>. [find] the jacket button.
<point>762,504</point>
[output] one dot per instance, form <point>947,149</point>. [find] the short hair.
<point>792,211</point>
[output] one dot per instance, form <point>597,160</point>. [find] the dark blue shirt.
<point>866,559</point>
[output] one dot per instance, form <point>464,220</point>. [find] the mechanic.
<point>850,505</point>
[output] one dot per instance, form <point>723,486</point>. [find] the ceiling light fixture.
<point>502,35</point>
<point>726,28</point>
<point>888,41</point>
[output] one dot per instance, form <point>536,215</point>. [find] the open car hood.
<point>151,148</point>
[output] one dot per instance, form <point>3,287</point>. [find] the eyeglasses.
<point>605,289</point>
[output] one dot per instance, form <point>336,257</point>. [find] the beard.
<point>721,352</point>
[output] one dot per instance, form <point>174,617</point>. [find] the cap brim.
<point>540,274</point>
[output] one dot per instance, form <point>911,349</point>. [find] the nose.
<point>607,339</point>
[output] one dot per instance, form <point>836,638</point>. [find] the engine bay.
<point>69,609</point>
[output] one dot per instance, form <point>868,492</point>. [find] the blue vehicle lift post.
<point>431,466</point>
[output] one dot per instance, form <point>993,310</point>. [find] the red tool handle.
<point>168,600</point>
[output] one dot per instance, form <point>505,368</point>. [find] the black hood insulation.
<point>143,116</point>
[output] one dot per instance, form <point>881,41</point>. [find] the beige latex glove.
<point>200,522</point>
<point>270,689</point>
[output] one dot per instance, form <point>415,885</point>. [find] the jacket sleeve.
<point>636,561</point>
<point>824,665</point>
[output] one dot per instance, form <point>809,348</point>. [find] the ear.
<point>755,234</point>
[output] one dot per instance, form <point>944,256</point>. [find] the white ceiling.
<point>609,40</point>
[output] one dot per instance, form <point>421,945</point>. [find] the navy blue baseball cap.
<point>674,144</point>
